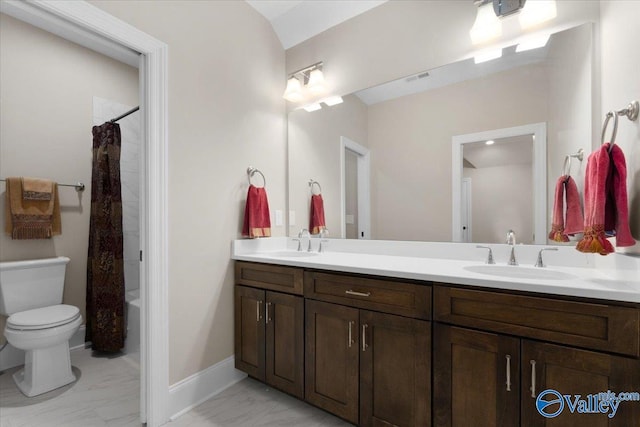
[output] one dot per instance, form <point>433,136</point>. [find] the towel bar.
<point>78,186</point>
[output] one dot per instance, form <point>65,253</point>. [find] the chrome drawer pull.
<point>533,379</point>
<point>508,372</point>
<point>364,337</point>
<point>358,294</point>
<point>351,342</point>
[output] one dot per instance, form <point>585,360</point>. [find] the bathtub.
<point>132,343</point>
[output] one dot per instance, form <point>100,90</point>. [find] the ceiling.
<point>295,21</point>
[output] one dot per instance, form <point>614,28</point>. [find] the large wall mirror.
<point>408,127</point>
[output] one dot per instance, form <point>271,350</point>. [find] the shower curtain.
<point>106,327</point>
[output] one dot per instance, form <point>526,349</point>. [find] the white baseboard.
<point>10,357</point>
<point>201,386</point>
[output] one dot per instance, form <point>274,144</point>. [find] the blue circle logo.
<point>545,406</point>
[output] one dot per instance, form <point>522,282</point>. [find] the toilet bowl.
<point>43,333</point>
<point>38,323</point>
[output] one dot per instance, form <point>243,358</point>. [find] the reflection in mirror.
<point>408,125</point>
<point>498,175</point>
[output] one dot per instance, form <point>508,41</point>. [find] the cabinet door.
<point>331,369</point>
<point>573,372</point>
<point>476,378</point>
<point>284,319</point>
<point>395,370</point>
<point>249,331</point>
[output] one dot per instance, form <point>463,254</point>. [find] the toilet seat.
<point>43,318</point>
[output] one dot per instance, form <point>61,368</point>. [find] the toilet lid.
<point>45,317</point>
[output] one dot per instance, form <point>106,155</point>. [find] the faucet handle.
<point>490,257</point>
<point>320,245</point>
<point>299,244</point>
<point>539,262</point>
<point>511,237</point>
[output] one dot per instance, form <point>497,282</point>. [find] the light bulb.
<point>487,25</point>
<point>316,81</point>
<point>293,92</point>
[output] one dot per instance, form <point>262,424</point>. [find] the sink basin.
<point>517,272</point>
<point>292,254</point>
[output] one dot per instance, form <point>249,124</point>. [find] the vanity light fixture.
<point>333,100</point>
<point>487,55</point>
<point>310,78</point>
<point>533,42</point>
<point>312,107</point>
<point>487,26</point>
<point>490,142</point>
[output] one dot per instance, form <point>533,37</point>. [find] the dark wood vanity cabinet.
<point>372,369</point>
<point>269,335</point>
<point>361,348</point>
<point>492,378</point>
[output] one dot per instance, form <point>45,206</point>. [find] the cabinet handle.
<point>356,293</point>
<point>533,379</point>
<point>266,313</point>
<point>364,337</point>
<point>508,372</point>
<point>351,342</point>
<point>258,310</point>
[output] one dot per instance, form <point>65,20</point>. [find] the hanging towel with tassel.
<point>605,202</point>
<point>569,222</point>
<point>257,221</point>
<point>316,217</point>
<point>32,209</point>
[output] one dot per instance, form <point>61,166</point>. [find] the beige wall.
<point>621,84</point>
<point>47,86</point>
<point>226,112</point>
<point>500,200</point>
<point>314,153</point>
<point>410,143</point>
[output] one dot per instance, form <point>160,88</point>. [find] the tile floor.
<point>107,394</point>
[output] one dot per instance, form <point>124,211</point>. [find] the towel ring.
<point>566,168</point>
<point>311,184</point>
<point>632,114</point>
<point>252,171</point>
<point>615,128</point>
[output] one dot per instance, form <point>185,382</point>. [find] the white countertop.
<point>618,283</point>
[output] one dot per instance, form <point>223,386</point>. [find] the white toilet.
<point>31,295</point>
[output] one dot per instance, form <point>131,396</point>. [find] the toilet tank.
<point>36,283</point>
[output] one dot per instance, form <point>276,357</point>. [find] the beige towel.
<point>36,189</point>
<point>31,219</point>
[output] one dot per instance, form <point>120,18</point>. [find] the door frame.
<point>364,188</point>
<point>466,209</point>
<point>89,26</point>
<point>539,132</point>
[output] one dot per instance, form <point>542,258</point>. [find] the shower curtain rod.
<point>133,110</point>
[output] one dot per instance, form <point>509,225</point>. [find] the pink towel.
<point>605,201</point>
<point>257,222</point>
<point>316,217</point>
<point>570,222</point>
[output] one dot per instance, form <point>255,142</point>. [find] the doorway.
<point>89,26</point>
<point>355,190</point>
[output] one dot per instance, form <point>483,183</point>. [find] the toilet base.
<point>45,369</point>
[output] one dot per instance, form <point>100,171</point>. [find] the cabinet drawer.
<point>272,277</point>
<point>406,299</point>
<point>589,325</point>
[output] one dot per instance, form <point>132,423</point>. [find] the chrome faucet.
<point>490,256</point>
<point>539,262</point>
<point>321,236</point>
<point>301,235</point>
<point>511,240</point>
